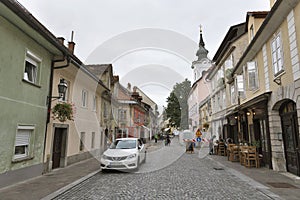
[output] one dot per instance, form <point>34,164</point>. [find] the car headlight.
<point>131,156</point>
<point>104,157</point>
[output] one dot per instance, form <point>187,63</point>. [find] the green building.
<point>28,52</point>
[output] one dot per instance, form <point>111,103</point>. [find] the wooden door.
<point>57,147</point>
<point>290,138</point>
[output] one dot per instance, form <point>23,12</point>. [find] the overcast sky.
<point>156,36</point>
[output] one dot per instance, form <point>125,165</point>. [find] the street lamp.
<point>62,88</point>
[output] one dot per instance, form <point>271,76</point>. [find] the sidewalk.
<point>52,183</point>
<point>284,184</point>
<point>41,186</point>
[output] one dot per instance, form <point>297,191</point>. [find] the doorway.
<point>260,135</point>
<point>59,148</point>
<point>290,133</point>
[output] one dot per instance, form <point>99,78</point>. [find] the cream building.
<point>271,70</point>
<point>83,137</point>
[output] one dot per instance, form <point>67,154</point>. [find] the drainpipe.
<point>49,100</point>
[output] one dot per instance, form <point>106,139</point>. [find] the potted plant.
<point>256,143</point>
<point>206,125</point>
<point>63,111</point>
<point>228,73</point>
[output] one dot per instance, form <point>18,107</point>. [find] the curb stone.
<point>71,185</point>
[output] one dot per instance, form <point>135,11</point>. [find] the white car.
<point>124,154</point>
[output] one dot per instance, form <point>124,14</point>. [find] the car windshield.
<point>123,144</point>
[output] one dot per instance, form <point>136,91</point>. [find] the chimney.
<point>71,44</point>
<point>61,40</point>
<point>71,47</point>
<point>129,87</point>
<point>134,89</point>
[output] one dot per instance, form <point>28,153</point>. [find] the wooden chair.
<point>242,154</point>
<point>222,149</point>
<point>235,153</point>
<point>216,150</point>
<point>230,151</point>
<point>252,158</point>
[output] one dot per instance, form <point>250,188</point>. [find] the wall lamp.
<point>62,88</point>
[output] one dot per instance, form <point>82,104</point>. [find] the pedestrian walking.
<point>211,145</point>
<point>155,137</point>
<point>168,141</point>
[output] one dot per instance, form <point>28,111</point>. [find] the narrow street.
<point>176,175</point>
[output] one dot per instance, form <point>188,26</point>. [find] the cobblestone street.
<point>187,177</point>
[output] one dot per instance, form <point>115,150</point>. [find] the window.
<point>277,56</point>
<point>32,64</point>
<point>122,114</point>
<point>240,85</point>
<point>94,103</point>
<point>22,142</point>
<point>252,75</point>
<point>82,140</point>
<point>219,102</point>
<point>229,62</point>
<point>220,74</point>
<point>232,93</point>
<point>93,140</point>
<point>84,98</point>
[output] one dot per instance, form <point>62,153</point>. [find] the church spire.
<point>201,42</point>
<point>202,52</point>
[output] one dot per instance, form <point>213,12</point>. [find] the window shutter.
<point>22,137</point>
<point>32,61</point>
<point>240,83</point>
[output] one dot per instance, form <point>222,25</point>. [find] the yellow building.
<point>269,106</point>
<point>71,141</point>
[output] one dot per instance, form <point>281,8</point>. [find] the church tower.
<point>202,63</point>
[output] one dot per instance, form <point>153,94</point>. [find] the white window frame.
<point>277,55</point>
<point>94,103</point>
<point>84,98</point>
<point>31,67</point>
<point>23,139</point>
<point>252,72</point>
<point>232,94</point>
